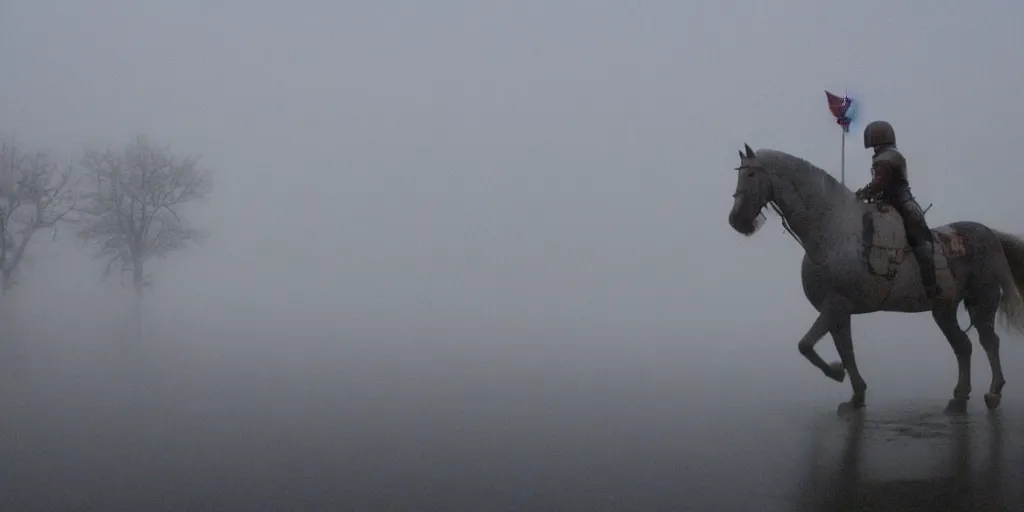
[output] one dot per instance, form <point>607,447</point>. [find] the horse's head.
<point>753,192</point>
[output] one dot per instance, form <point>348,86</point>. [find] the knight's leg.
<point>924,253</point>
<point>818,330</point>
<point>920,239</point>
<point>983,317</point>
<point>843,339</point>
<point>946,319</point>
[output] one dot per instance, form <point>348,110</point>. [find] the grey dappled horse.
<point>857,261</point>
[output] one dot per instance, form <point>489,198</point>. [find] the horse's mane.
<point>782,162</point>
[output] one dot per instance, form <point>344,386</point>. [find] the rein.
<point>785,223</point>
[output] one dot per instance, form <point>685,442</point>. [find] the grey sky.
<point>530,167</point>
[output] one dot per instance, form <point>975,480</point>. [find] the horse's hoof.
<point>992,400</point>
<point>957,406</point>
<point>846,409</point>
<point>836,372</point>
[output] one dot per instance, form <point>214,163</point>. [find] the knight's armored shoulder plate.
<point>891,165</point>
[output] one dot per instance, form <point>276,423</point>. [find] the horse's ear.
<point>750,152</point>
<point>741,154</point>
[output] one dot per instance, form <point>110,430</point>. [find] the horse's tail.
<point>1011,277</point>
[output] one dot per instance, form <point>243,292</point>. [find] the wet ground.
<point>902,460</point>
<point>457,429</point>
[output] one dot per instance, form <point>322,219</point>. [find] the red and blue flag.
<point>842,108</point>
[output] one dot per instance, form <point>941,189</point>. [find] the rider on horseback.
<point>889,185</point>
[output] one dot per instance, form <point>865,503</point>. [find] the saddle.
<point>886,246</point>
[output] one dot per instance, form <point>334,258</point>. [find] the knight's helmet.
<point>879,133</point>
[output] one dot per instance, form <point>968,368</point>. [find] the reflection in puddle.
<point>928,462</point>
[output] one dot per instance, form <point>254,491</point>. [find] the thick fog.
<point>419,204</point>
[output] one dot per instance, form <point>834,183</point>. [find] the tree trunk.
<point>8,268</point>
<point>137,275</point>
<point>137,279</point>
<point>5,274</point>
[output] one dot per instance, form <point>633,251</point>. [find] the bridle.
<point>774,205</point>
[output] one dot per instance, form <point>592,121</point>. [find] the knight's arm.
<point>881,172</point>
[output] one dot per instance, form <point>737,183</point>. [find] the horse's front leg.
<point>825,323</point>
<point>843,338</point>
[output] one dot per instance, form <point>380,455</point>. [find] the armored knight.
<point>889,185</point>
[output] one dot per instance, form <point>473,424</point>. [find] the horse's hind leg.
<point>946,319</point>
<point>983,316</point>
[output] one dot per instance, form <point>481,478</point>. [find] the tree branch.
<point>133,212</point>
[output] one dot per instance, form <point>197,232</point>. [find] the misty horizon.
<point>507,221</point>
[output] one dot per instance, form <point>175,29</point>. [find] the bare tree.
<point>133,208</point>
<point>35,193</point>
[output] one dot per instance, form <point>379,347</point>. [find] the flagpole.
<point>842,159</point>
<point>842,109</point>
